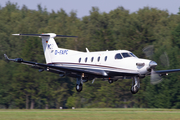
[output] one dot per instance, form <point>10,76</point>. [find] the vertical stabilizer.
<point>49,45</point>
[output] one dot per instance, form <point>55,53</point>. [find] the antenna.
<point>87,50</point>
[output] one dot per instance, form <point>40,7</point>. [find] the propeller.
<point>155,77</point>
<point>149,51</point>
<point>164,59</point>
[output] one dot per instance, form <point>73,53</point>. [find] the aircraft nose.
<point>152,64</point>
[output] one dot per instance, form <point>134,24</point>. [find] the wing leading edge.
<point>167,71</point>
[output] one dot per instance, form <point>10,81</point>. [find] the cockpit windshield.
<point>125,55</point>
<point>133,55</point>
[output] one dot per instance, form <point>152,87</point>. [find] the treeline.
<point>25,87</point>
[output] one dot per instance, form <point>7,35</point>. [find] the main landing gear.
<point>79,84</point>
<point>134,88</point>
<point>110,81</point>
<point>80,80</point>
<point>79,87</point>
<point>135,85</point>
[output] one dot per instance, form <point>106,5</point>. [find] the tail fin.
<point>49,44</point>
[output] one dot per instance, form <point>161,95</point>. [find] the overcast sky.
<point>84,6</point>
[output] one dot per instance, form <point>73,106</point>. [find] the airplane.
<point>108,65</point>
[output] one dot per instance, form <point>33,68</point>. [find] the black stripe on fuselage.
<point>112,71</point>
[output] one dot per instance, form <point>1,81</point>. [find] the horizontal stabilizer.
<point>38,35</point>
<point>64,36</point>
<point>47,34</point>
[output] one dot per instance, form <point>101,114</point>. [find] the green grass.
<point>91,114</point>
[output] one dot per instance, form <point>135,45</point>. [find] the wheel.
<point>79,87</point>
<point>110,81</point>
<point>134,89</point>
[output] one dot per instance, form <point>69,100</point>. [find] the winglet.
<point>15,60</point>
<point>6,57</point>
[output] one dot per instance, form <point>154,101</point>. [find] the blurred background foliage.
<point>23,87</point>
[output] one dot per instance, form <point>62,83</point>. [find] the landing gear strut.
<point>135,85</point>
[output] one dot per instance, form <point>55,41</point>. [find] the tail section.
<point>50,47</point>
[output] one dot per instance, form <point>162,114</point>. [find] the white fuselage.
<point>117,62</point>
<point>102,60</point>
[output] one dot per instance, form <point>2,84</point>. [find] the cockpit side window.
<point>118,56</point>
<point>125,55</point>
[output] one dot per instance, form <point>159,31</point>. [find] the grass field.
<point>91,114</point>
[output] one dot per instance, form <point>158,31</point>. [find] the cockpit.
<point>124,55</point>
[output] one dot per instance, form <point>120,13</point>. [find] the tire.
<point>110,81</point>
<point>79,87</point>
<point>134,89</point>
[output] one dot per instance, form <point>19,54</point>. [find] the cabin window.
<point>125,55</point>
<point>118,56</point>
<point>79,60</point>
<point>98,59</point>
<point>105,58</point>
<point>86,59</point>
<point>92,59</point>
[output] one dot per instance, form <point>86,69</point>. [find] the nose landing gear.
<point>134,89</point>
<point>135,85</point>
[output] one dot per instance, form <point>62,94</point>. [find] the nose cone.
<point>152,64</point>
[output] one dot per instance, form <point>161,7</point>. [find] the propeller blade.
<point>164,59</point>
<point>155,77</point>
<point>149,51</point>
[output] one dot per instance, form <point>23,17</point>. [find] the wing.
<point>164,72</point>
<point>58,69</point>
